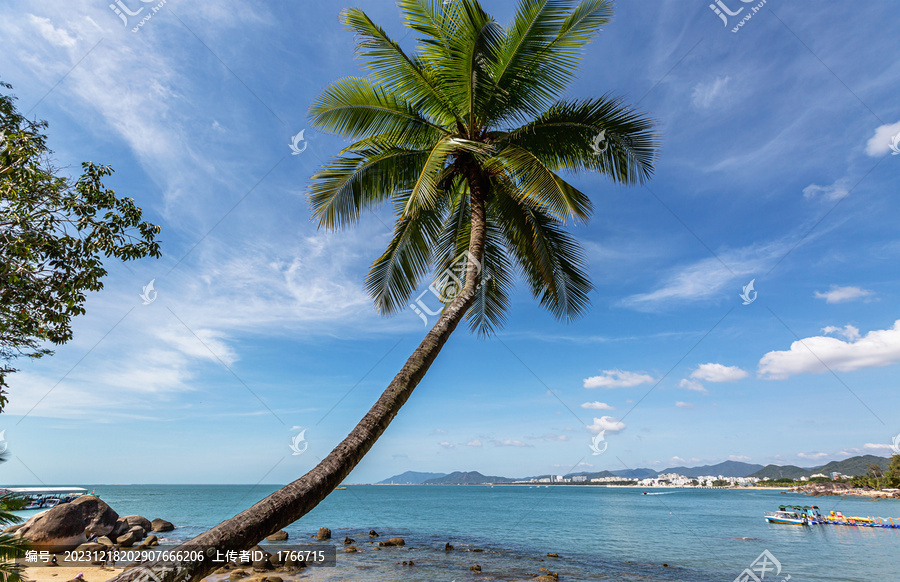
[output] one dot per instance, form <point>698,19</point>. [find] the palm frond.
<point>348,185</point>
<point>396,274</point>
<point>536,182</point>
<point>355,107</point>
<point>563,137</point>
<point>550,260</point>
<point>391,67</point>
<point>542,51</point>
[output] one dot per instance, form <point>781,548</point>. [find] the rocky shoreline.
<point>88,524</point>
<point>842,490</point>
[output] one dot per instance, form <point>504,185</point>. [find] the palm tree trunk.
<point>295,500</point>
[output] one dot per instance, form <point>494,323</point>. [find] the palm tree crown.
<point>474,118</point>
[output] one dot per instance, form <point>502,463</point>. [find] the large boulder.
<point>324,534</point>
<point>159,525</point>
<point>127,539</point>
<point>133,520</point>
<point>278,536</point>
<point>69,525</point>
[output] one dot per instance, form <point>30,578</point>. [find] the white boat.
<point>787,517</point>
<point>45,497</point>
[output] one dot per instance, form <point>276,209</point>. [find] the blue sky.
<point>775,166</point>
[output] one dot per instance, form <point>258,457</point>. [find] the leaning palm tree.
<point>465,139</point>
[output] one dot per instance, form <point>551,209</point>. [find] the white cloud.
<point>56,36</point>
<point>607,423</point>
<point>880,143</point>
<point>474,443</point>
<point>876,349</point>
<point>692,385</point>
<point>740,458</point>
<point>835,191</point>
<point>551,437</point>
<point>841,294</point>
<point>597,406</point>
<point>812,456</point>
<point>847,332</point>
<point>706,93</point>
<point>709,277</point>
<point>509,443</point>
<point>618,379</point>
<point>718,373</point>
<point>681,404</point>
<point>447,445</point>
<point>877,447</point>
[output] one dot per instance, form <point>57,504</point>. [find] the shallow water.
<point>600,534</point>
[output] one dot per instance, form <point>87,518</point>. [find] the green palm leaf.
<point>429,135</point>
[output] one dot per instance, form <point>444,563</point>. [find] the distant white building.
<point>579,478</point>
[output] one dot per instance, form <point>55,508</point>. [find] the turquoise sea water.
<point>599,533</point>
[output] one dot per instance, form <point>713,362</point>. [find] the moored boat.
<point>45,497</point>
<point>787,517</point>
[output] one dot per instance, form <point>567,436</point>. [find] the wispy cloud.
<point>707,93</point>
<point>597,406</point>
<point>839,294</point>
<point>618,379</point>
<point>693,385</point>
<point>708,277</point>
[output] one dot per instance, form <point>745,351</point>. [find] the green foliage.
<point>54,235</point>
<point>476,113</point>
<point>10,547</point>
<point>892,474</point>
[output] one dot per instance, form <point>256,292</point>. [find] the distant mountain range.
<point>851,466</point>
<point>410,478</point>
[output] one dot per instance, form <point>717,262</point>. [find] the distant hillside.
<point>410,478</point>
<point>469,478</point>
<point>638,473</point>
<point>852,466</point>
<point>726,469</point>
